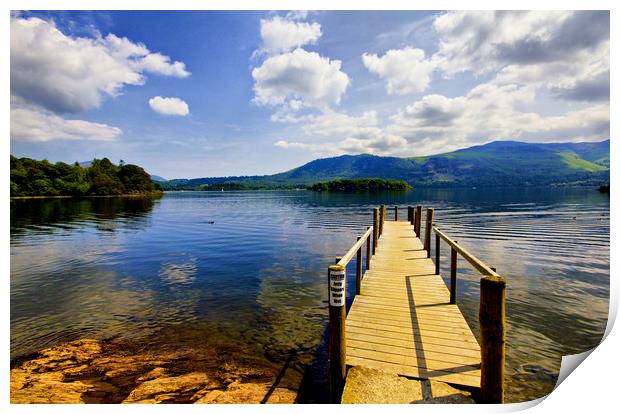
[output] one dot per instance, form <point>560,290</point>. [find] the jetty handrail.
<point>344,261</point>
<point>473,260</point>
<point>491,316</point>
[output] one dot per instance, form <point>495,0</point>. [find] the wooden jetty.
<point>405,320</point>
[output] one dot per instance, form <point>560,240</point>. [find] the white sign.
<point>337,284</point>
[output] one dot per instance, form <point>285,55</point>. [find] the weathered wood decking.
<point>403,322</point>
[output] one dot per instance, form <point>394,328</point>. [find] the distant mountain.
<point>499,163</point>
<point>157,178</point>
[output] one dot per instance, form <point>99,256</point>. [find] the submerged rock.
<point>91,371</point>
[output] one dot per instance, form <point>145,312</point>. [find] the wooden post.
<point>382,220</point>
<point>338,258</point>
<point>437,253</point>
<point>395,213</point>
<point>492,319</point>
<point>410,215</point>
<point>368,242</point>
<point>375,229</point>
<point>358,270</point>
<point>453,275</point>
<point>337,341</point>
<point>418,217</point>
<point>430,212</point>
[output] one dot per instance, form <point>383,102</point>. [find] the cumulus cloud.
<point>169,106</point>
<point>32,123</point>
<point>285,34</point>
<point>66,74</point>
<point>301,76</point>
<point>564,51</point>
<point>405,70</point>
<point>347,134</point>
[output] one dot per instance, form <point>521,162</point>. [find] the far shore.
<point>141,195</point>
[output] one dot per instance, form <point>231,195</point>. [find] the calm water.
<point>249,268</point>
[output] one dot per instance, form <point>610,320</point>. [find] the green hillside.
<point>500,163</point>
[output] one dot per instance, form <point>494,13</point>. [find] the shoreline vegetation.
<point>361,185</point>
<point>42,179</point>
<point>604,189</point>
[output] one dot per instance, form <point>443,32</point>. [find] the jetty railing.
<point>492,316</point>
<point>337,298</point>
<point>492,310</point>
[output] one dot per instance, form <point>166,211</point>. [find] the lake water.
<point>249,269</point>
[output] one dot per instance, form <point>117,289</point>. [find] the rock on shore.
<point>91,371</point>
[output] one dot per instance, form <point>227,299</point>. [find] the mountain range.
<point>499,163</point>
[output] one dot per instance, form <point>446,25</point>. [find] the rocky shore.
<point>93,371</point>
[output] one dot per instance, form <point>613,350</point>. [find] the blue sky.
<point>215,93</point>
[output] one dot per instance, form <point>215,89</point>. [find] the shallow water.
<point>249,268</point>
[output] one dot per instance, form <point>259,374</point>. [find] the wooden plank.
<point>430,353</point>
<point>388,335</point>
<point>422,333</point>
<point>442,320</point>
<point>412,344</point>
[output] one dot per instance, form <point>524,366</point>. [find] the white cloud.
<point>31,123</point>
<point>169,106</point>
<point>347,134</point>
<point>565,51</point>
<point>405,70</point>
<point>72,74</point>
<point>283,34</point>
<point>301,76</point>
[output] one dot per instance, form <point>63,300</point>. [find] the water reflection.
<point>247,269</point>
<point>107,213</point>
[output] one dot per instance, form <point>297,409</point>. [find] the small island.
<point>32,178</point>
<point>361,185</point>
<point>604,189</point>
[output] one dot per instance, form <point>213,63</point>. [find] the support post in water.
<point>337,343</point>
<point>492,319</point>
<point>418,221</point>
<point>395,213</point>
<point>375,229</point>
<point>338,258</point>
<point>437,253</point>
<point>368,250</point>
<point>358,269</point>
<point>430,212</point>
<point>453,275</point>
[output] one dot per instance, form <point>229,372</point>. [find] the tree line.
<point>361,184</point>
<point>41,178</point>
